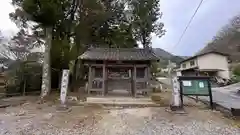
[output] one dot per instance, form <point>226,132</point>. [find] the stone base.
<point>235,111</point>
<point>63,108</point>
<point>176,109</point>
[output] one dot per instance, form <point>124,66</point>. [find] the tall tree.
<point>22,43</point>
<point>1,37</point>
<point>47,14</point>
<point>227,40</point>
<point>101,24</point>
<point>72,26</point>
<point>5,52</point>
<point>146,17</point>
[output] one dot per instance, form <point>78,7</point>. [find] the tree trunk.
<point>46,73</point>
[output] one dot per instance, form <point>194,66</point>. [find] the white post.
<point>64,86</point>
<point>175,105</point>
<point>176,92</point>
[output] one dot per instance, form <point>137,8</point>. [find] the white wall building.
<point>211,64</point>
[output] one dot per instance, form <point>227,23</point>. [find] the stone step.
<point>2,75</point>
<point>125,105</point>
<point>120,102</point>
<point>2,83</point>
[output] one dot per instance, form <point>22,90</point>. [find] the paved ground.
<point>42,119</point>
<point>232,87</point>
<point>231,90</point>
<point>225,97</point>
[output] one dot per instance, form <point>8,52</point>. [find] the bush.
<point>23,75</point>
<point>236,70</point>
<point>235,79</point>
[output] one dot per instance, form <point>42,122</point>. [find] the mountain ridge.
<point>165,56</point>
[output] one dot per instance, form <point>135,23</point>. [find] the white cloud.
<point>7,27</point>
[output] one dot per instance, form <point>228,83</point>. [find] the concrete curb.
<point>121,104</point>
<point>4,105</point>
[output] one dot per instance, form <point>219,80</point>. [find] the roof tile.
<point>118,54</point>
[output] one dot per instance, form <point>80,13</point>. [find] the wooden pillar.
<point>77,66</point>
<point>145,73</point>
<point>104,79</point>
<point>89,79</point>
<point>149,76</point>
<point>134,81</point>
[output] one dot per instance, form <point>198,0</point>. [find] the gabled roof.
<point>204,53</point>
<point>118,54</point>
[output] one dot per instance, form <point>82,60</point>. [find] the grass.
<point>235,121</point>
<point>163,98</point>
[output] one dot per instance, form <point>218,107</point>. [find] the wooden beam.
<point>115,65</point>
<point>124,65</point>
<point>97,65</point>
<point>142,65</point>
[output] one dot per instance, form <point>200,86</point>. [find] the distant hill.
<point>165,56</point>
<point>227,40</point>
<point>185,57</point>
<point>230,48</point>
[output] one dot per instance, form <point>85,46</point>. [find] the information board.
<point>195,86</point>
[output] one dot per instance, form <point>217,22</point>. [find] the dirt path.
<point>34,119</point>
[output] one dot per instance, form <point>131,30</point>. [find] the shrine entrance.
<point>119,81</point>
<point>118,70</point>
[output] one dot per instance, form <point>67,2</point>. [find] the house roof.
<point>118,54</point>
<point>204,53</point>
<point>209,70</point>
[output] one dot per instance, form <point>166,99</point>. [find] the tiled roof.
<point>204,53</point>
<point>118,54</point>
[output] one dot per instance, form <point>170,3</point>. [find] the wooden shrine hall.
<point>124,69</point>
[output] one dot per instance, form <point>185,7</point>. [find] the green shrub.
<point>236,70</point>
<point>23,75</point>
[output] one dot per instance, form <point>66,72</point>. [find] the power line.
<point>190,21</point>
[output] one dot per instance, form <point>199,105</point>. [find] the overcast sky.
<point>212,15</point>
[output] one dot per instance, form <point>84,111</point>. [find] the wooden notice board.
<point>195,86</point>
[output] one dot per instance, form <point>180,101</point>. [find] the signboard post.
<point>64,86</point>
<point>195,86</point>
<point>175,105</point>
<point>176,94</point>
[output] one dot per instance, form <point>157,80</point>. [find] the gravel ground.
<point>34,119</point>
<point>156,121</point>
